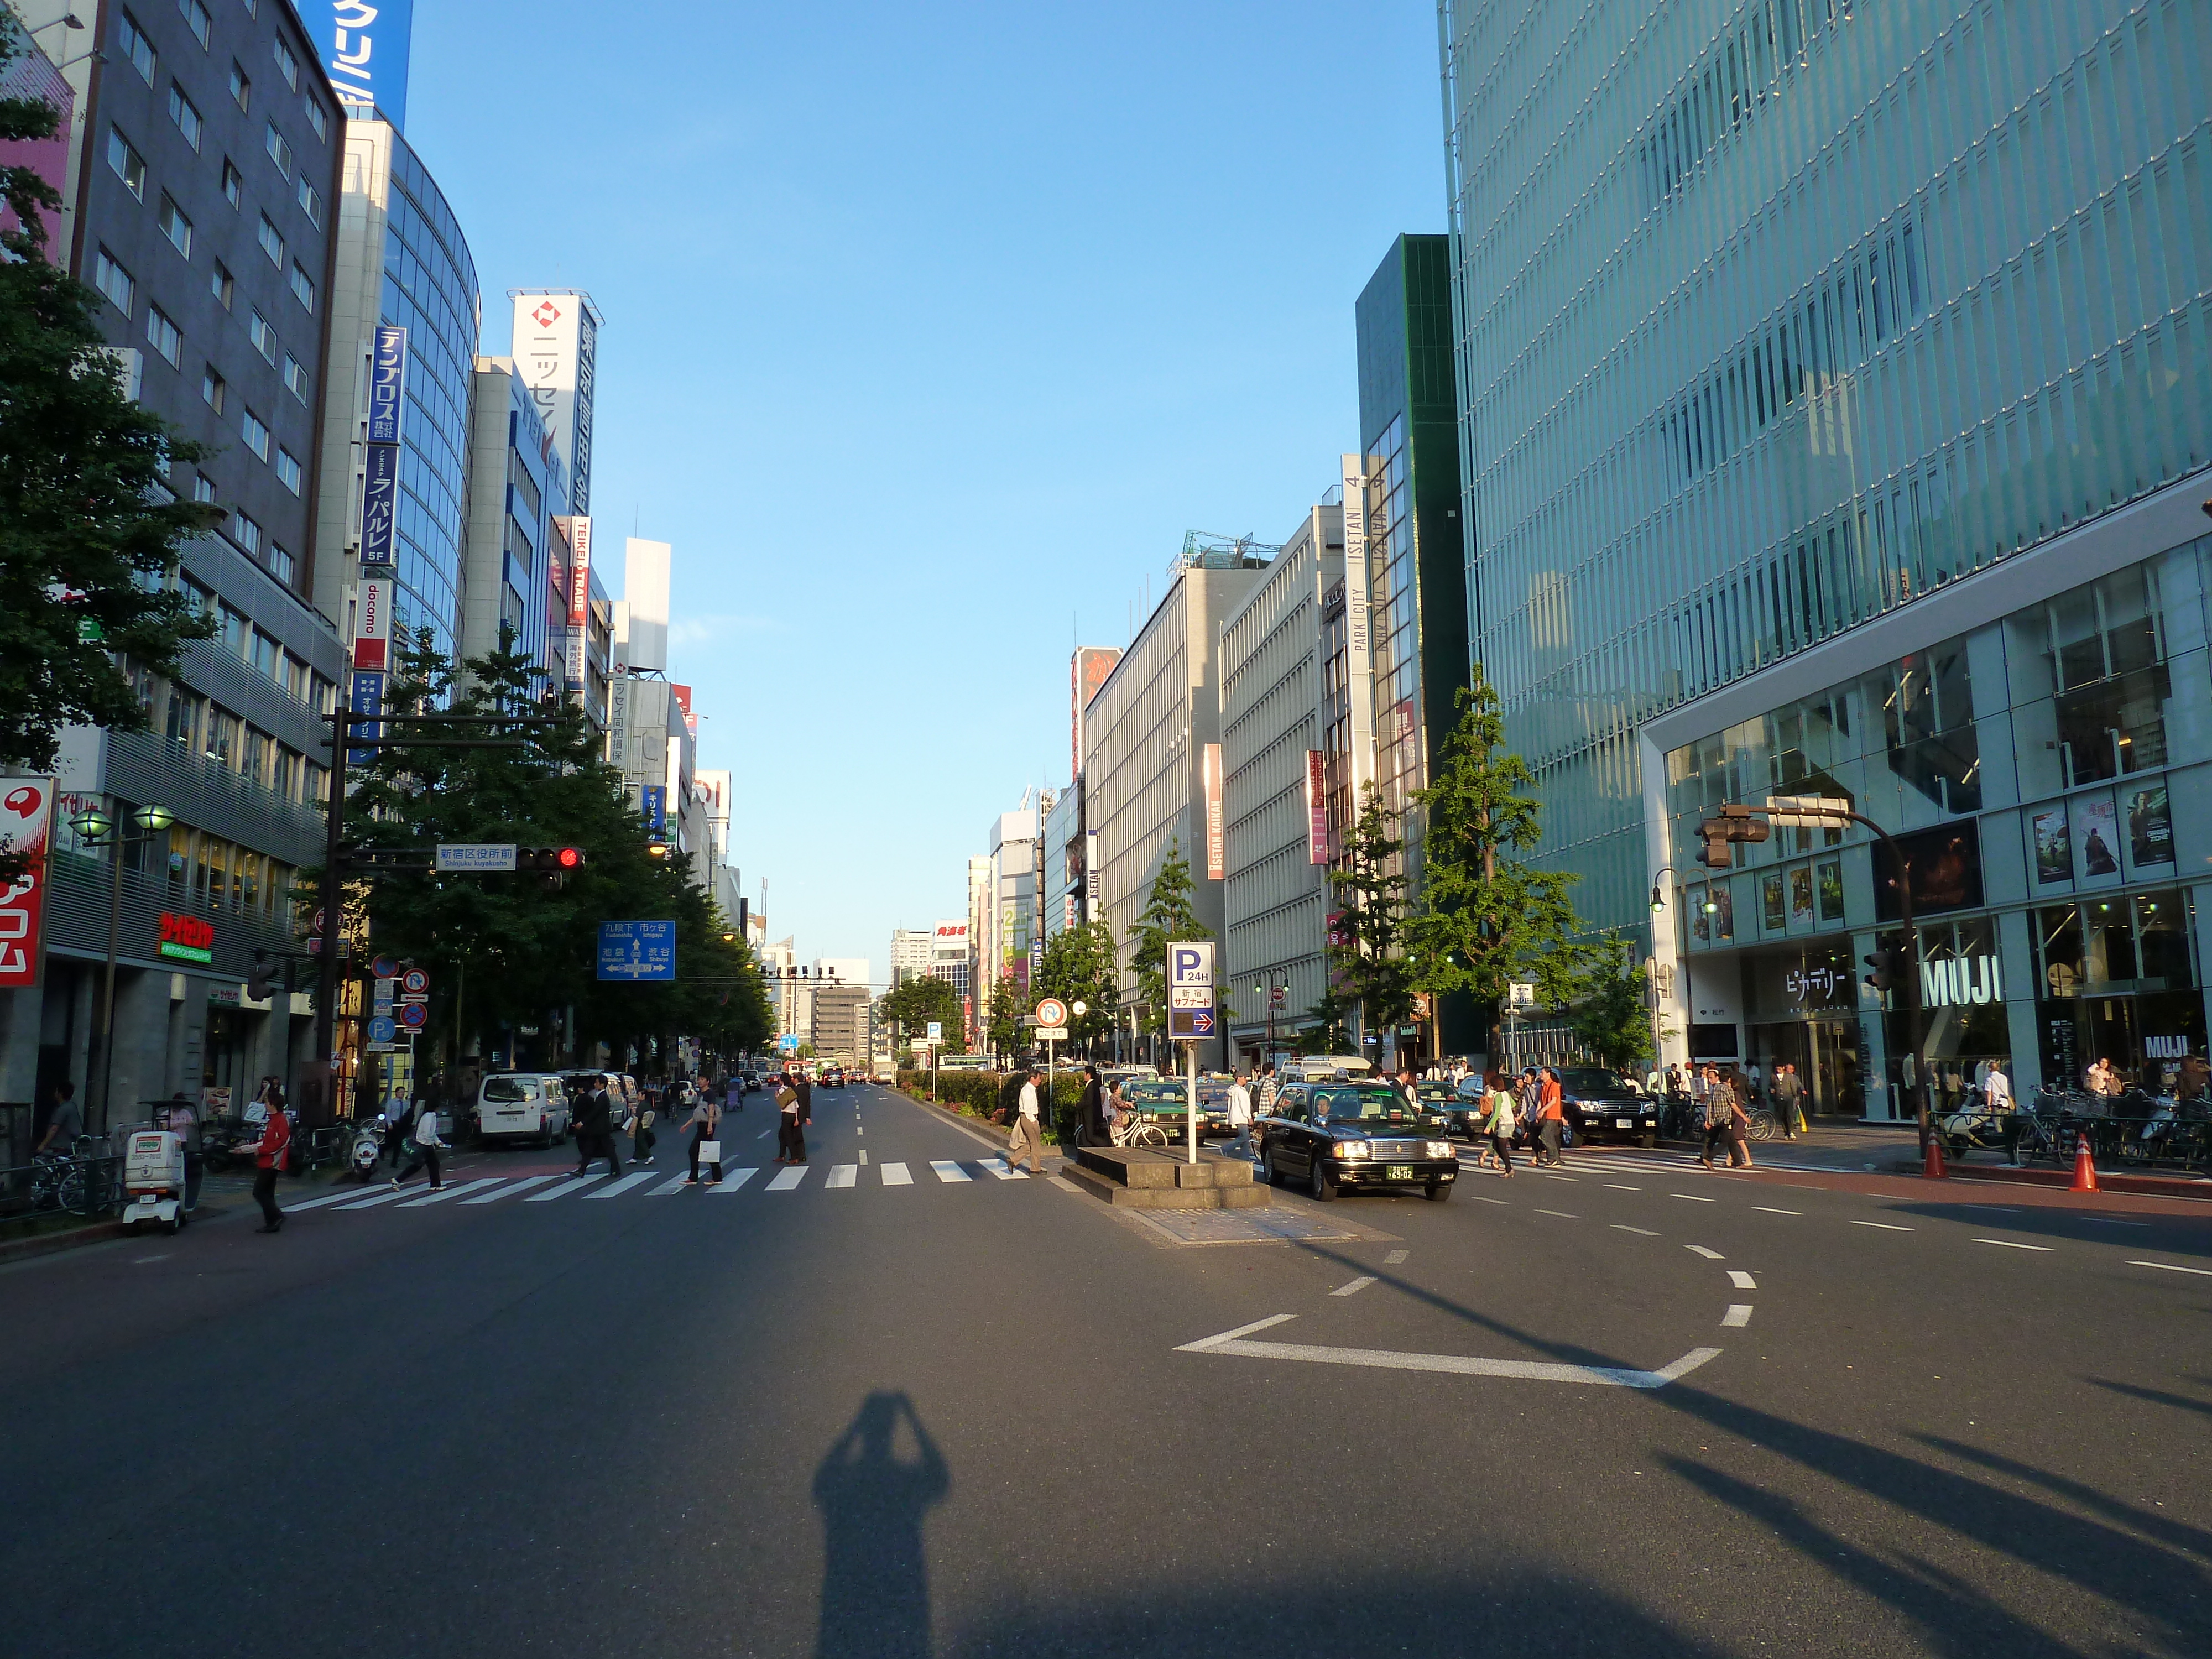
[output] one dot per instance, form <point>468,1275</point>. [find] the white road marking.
<point>2107,1221</point>
<point>1005,1171</point>
<point>1887,1227</point>
<point>1553,1177</point>
<point>1694,1199</point>
<point>521,1186</point>
<point>1394,1258</point>
<point>673,1184</point>
<point>763,1134</point>
<point>786,1178</point>
<point>1770,1211</point>
<point>1742,1280</point>
<point>452,1191</point>
<point>895,1175</point>
<point>1615,1185</point>
<point>946,1169</point>
<point>1700,1250</point>
<point>864,1155</point>
<point>1480,1199</point>
<point>2168,1267</point>
<point>1355,1286</point>
<point>843,1175</point>
<point>1622,1227</point>
<point>2010,1245</point>
<point>732,1179</point>
<point>1739,1315</point>
<point>1562,1214</point>
<point>142,1260</point>
<point>1234,1342</point>
<point>352,1195</point>
<point>573,1184</point>
<point>623,1185</point>
<point>386,1197</point>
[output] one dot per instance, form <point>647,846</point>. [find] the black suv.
<point>1601,1106</point>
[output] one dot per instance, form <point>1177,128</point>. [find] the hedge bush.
<point>979,1094</point>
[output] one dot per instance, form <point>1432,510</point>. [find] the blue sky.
<point>929,332</point>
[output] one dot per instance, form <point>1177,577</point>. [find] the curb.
<point>966,1125</point>
<point>67,1238</point>
<point>2110,1182</point>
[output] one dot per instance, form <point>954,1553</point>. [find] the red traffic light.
<point>569,857</point>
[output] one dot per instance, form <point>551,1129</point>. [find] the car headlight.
<point>1352,1149</point>
<point>1443,1149</point>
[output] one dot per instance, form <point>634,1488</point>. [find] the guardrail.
<point>87,1182</point>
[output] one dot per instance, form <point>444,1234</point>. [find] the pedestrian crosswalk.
<point>652,1183</point>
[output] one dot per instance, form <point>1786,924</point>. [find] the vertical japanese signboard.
<point>367,698</point>
<point>1359,649</point>
<point>26,822</point>
<point>1316,807</point>
<point>1217,852</point>
<point>579,532</point>
<point>372,632</point>
<point>380,489</point>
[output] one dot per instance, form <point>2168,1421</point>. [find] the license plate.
<point>1398,1172</point>
<point>1622,1123</point>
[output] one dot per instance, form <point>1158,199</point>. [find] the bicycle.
<point>1763,1126</point>
<point>75,1181</point>
<point>1141,1132</point>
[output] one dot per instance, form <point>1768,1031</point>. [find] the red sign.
<point>187,938</point>
<point>683,696</point>
<point>1088,671</point>
<point>373,625</point>
<point>27,820</point>
<point>1316,807</point>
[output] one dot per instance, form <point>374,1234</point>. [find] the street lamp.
<point>96,828</point>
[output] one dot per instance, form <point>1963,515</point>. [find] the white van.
<point>1324,1068</point>
<point>522,1106</point>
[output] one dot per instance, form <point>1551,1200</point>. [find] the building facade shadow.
<point>875,1572</point>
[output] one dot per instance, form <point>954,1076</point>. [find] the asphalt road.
<point>964,1417</point>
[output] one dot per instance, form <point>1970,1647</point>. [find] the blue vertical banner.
<point>365,52</point>
<point>654,798</point>
<point>379,503</point>
<point>387,380</point>
<point>367,698</point>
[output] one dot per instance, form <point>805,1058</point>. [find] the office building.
<point>1061,852</point>
<point>557,353</point>
<point>1807,326</point>
<point>1151,742</point>
<point>1275,897</point>
<point>200,174</point>
<point>1011,913</point>
<point>910,954</point>
<point>949,957</point>
<point>982,910</point>
<point>516,576</point>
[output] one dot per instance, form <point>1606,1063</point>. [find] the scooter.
<point>367,1147</point>
<point>154,1180</point>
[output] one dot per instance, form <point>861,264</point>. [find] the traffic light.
<point>259,981</point>
<point>1734,824</point>
<point>550,862</point>
<point>1884,963</point>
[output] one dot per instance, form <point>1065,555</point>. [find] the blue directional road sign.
<point>637,951</point>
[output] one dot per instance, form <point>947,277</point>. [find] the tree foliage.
<point>88,527</point>
<point>909,1007</point>
<point>1166,918</point>
<point>1079,967</point>
<point>1486,918</point>
<point>1002,1018</point>
<point>1611,1015</point>
<point>509,949</point>
<point>1365,949</point>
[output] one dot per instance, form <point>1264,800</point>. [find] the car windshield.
<point>1436,1091</point>
<point>1589,1080</point>
<point>510,1088</point>
<point>1362,1103</point>
<point>1148,1093</point>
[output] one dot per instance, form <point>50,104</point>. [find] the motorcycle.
<point>367,1147</point>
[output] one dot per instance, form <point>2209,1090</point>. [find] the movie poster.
<point>2100,837</point>
<point>2150,827</point>
<point>1831,883</point>
<point>1801,897</point>
<point>2054,849</point>
<point>1770,898</point>
<point>1723,911</point>
<point>1701,923</point>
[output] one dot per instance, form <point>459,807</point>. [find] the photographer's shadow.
<point>875,1576</point>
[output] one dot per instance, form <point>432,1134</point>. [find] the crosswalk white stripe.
<point>843,1175</point>
<point>732,1179</point>
<point>946,1169</point>
<point>352,1195</point>
<point>674,1183</point>
<point>512,1187</point>
<point>386,1197</point>
<point>895,1175</point>
<point>623,1185</point>
<point>573,1184</point>
<point>475,1186</point>
<point>1005,1171</point>
<point>786,1178</point>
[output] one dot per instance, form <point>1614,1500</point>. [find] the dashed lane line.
<point>1769,1209</point>
<point>1562,1214</point>
<point>864,1155</point>
<point>1700,1250</point>
<point>1622,1227</point>
<point>1615,1185</point>
<point>1887,1227</point>
<point>1739,1315</point>
<point>1355,1286</point>
<point>1480,1199</point>
<point>1695,1198</point>
<point>2012,1244</point>
<point>1742,1280</point>
<point>2172,1267</point>
<point>1394,1258</point>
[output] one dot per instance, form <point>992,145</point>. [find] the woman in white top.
<point>1498,1126</point>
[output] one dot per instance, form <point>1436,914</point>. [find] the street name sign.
<point>637,951</point>
<point>1190,989</point>
<point>464,857</point>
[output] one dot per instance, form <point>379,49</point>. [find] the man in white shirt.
<point>1029,1135</point>
<point>1240,1114</point>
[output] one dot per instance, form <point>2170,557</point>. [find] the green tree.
<point>1079,967</point>
<point>1002,1021</point>
<point>911,1006</point>
<point>1332,1032</point>
<point>1486,917</point>
<point>1610,1013</point>
<point>89,530</point>
<point>1167,917</point>
<point>1365,945</point>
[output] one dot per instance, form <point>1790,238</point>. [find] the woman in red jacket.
<point>270,1153</point>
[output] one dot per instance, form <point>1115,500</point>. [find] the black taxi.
<point>1335,1137</point>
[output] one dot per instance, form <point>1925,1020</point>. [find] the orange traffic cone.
<point>2085,1167</point>
<point>1932,1164</point>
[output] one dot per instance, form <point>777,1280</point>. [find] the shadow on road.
<point>875,1574</point>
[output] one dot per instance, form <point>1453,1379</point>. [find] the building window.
<point>162,334</point>
<point>266,653</point>
<point>311,201</point>
<point>241,89</point>
<point>245,531</point>
<point>233,183</point>
<point>303,286</point>
<point>236,635</point>
<point>271,243</point>
<point>317,120</point>
<point>222,730</point>
<point>117,283</point>
<point>196,17</point>
<point>264,337</point>
<point>288,66</point>
<point>280,563</point>
<point>130,166</point>
<point>288,470</point>
<point>257,435</point>
<point>175,226</point>
<point>184,721</point>
<point>185,115</point>
<point>203,487</point>
<point>213,388</point>
<point>220,284</point>
<point>279,151</point>
<point>137,47</point>
<point>296,377</point>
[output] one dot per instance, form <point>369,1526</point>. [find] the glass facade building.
<point>1774,317</point>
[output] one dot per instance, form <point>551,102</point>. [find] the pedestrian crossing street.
<point>654,1183</point>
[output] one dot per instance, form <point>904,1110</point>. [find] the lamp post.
<point>96,828</point>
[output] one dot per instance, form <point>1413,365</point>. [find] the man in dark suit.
<point>595,1131</point>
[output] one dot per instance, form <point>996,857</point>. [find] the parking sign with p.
<point>1190,990</point>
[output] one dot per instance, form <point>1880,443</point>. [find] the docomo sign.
<point>27,817</point>
<point>373,625</point>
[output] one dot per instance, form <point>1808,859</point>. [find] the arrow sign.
<point>1201,1022</point>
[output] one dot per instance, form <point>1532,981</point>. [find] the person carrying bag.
<point>426,1146</point>
<point>706,1119</point>
<point>1498,1126</point>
